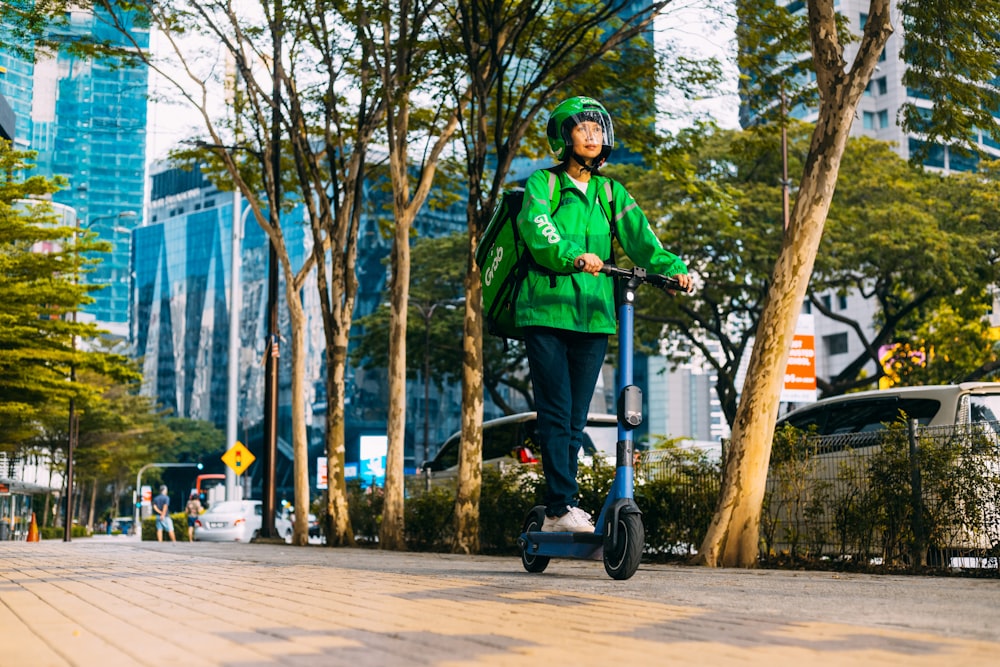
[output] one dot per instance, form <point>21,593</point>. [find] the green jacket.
<point>556,294</point>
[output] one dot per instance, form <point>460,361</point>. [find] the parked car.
<point>313,525</point>
<point>122,524</point>
<point>236,521</point>
<point>512,440</point>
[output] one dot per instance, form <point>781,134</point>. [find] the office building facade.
<point>86,119</point>
<point>886,94</point>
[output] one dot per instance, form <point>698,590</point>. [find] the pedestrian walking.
<point>161,505</point>
<point>193,511</point>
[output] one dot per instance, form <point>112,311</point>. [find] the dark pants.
<point>564,369</point>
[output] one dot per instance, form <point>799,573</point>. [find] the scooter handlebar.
<point>654,279</point>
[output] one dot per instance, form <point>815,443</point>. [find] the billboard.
<point>800,371</point>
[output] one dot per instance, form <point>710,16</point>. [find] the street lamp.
<point>138,485</point>
<point>74,419</point>
<point>235,306</point>
<point>428,314</point>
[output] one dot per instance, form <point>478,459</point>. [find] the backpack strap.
<point>554,193</point>
<point>607,204</point>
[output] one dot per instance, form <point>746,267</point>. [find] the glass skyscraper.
<point>86,118</point>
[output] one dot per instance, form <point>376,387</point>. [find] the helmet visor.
<point>590,126</point>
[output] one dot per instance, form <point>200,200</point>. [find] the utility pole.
<point>271,370</point>
<point>785,185</point>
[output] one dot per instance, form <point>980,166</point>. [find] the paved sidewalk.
<point>109,602</point>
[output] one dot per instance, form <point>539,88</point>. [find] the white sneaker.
<point>573,521</point>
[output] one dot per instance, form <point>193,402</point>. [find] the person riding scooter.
<point>565,306</point>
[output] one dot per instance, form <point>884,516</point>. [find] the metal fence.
<point>10,462</point>
<point>906,495</point>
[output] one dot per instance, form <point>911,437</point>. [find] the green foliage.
<point>854,499</point>
<point>506,497</point>
<point>430,519</point>
<point>677,493</point>
<point>58,532</point>
<point>922,246</point>
<point>40,263</point>
<point>180,528</point>
<point>365,510</point>
<point>952,53</point>
<point>719,207</point>
<point>676,505</point>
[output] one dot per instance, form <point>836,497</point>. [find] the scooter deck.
<point>563,544</point>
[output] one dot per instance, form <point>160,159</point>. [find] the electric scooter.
<point>618,535</point>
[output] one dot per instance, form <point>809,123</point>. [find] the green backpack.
<point>504,261</point>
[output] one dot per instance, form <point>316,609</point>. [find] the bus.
<point>210,488</point>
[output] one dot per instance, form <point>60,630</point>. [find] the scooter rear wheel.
<point>533,522</point>
<point>621,560</point>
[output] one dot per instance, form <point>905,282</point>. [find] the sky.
<point>700,32</point>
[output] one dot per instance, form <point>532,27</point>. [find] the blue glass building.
<point>181,306</point>
<point>86,118</point>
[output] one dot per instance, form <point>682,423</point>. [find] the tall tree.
<point>519,57</point>
<point>323,100</point>
<point>732,538</point>
<point>41,347</point>
<point>733,535</point>
<point>397,38</point>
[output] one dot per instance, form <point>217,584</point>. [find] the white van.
<point>811,499</point>
<point>936,405</point>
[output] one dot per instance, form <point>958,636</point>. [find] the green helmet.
<point>571,113</point>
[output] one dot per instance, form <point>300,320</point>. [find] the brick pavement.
<point>109,602</point>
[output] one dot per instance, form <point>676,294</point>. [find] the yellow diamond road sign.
<point>238,458</point>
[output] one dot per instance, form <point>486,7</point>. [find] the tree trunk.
<point>470,462</point>
<point>392,534</point>
<point>734,534</point>
<point>338,519</point>
<point>300,442</point>
<point>93,504</point>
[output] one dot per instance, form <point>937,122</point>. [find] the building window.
<point>842,302</point>
<point>835,344</point>
<point>883,119</point>
<point>959,162</point>
<point>807,307</point>
<point>869,120</point>
<point>881,86</point>
<point>826,301</point>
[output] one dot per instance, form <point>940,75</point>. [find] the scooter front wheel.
<point>533,522</point>
<point>622,556</point>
